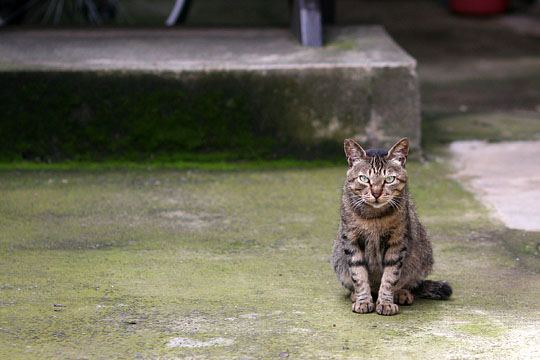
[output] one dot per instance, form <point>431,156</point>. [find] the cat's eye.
<point>363,178</point>
<point>389,179</point>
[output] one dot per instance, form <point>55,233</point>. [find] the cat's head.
<point>376,177</point>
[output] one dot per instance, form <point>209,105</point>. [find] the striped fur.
<point>381,247</point>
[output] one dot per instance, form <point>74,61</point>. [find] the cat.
<point>381,247</point>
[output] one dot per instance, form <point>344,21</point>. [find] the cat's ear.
<point>399,151</point>
<point>353,151</point>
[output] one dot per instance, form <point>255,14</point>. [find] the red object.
<point>479,7</point>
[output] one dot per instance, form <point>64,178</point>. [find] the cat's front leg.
<point>392,263</point>
<point>361,296</point>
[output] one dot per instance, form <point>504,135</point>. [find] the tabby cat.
<point>381,247</point>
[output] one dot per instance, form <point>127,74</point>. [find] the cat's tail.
<point>436,290</point>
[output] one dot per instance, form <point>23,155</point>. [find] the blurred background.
<point>237,12</point>
<point>478,63</point>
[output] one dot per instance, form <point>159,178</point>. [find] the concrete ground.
<point>180,264</point>
<point>505,176</point>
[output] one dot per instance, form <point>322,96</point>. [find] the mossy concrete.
<point>234,264</point>
<point>491,126</point>
<point>117,94</point>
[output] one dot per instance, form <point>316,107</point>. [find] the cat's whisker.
<point>393,204</point>
<point>357,202</point>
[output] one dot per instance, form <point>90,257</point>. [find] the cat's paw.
<point>387,308</point>
<point>363,307</point>
<point>403,297</point>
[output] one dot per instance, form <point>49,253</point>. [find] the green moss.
<point>88,116</point>
<point>140,257</point>
<point>480,324</point>
<point>343,45</point>
<point>204,162</point>
<point>524,246</point>
<point>499,126</point>
<point>481,329</point>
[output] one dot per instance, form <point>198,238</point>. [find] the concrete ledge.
<point>215,90</point>
<point>196,50</point>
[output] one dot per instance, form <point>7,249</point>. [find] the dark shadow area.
<point>57,116</point>
<point>470,68</point>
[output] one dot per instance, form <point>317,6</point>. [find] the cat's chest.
<point>374,231</point>
<point>375,245</point>
<point>373,237</point>
<point>374,250</point>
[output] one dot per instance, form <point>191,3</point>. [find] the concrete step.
<point>251,92</point>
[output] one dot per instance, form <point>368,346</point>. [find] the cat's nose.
<point>376,194</point>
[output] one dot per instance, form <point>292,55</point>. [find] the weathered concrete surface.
<point>179,264</point>
<point>505,176</point>
<point>260,82</point>
<point>195,50</point>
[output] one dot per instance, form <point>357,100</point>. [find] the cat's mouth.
<point>377,204</point>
